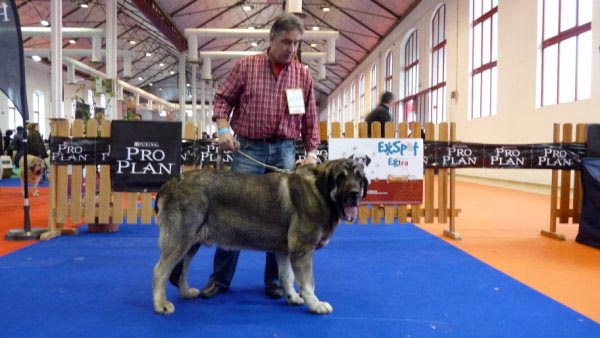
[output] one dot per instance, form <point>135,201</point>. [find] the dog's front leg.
<point>302,265</point>
<point>286,277</point>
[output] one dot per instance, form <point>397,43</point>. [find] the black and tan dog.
<point>289,214</point>
<point>35,170</point>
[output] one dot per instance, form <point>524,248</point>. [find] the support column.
<point>111,57</point>
<point>181,69</point>
<point>203,105</point>
<point>56,59</point>
<point>194,85</point>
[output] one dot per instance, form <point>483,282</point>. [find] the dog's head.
<point>345,183</point>
<point>36,166</point>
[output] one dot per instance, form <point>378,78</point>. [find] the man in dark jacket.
<point>381,114</point>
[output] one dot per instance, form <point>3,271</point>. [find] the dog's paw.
<point>294,299</point>
<point>164,307</point>
<point>322,308</point>
<point>189,293</point>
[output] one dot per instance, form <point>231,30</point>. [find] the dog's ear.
<point>368,161</point>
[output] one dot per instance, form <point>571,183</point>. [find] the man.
<point>381,114</point>
<point>268,100</point>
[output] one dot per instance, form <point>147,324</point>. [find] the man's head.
<point>285,37</point>
<point>387,98</point>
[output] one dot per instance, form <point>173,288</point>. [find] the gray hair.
<point>286,22</point>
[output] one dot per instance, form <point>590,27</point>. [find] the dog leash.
<point>270,167</point>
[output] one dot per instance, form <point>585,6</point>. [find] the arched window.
<point>352,100</point>
<point>411,76</point>
<point>14,118</point>
<point>566,55</point>
<point>388,71</point>
<point>361,96</point>
<point>374,100</point>
<point>345,112</point>
<point>437,110</point>
<point>484,57</point>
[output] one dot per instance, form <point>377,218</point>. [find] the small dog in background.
<point>36,167</point>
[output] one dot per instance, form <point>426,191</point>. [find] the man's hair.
<point>387,97</point>
<point>285,23</point>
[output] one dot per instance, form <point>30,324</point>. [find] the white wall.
<point>37,78</point>
<point>518,120</point>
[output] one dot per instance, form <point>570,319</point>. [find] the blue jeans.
<point>280,154</point>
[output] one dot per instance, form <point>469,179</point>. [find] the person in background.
<point>6,140</point>
<point>1,142</point>
<point>17,144</point>
<point>253,102</point>
<point>35,141</point>
<point>381,114</point>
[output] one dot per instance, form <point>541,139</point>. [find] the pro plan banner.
<point>80,150</point>
<point>522,156</point>
<point>145,154</point>
<point>394,167</point>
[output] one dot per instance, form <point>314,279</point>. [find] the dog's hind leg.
<point>286,276</point>
<point>184,288</point>
<point>171,252</point>
<point>302,265</point>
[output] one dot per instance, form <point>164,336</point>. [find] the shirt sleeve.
<point>228,94</point>
<point>310,125</point>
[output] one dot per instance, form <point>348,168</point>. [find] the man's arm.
<point>226,98</point>
<point>310,125</point>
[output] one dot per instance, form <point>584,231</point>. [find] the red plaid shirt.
<point>256,99</point>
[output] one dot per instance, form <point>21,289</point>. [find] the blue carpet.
<point>16,182</point>
<point>383,281</point>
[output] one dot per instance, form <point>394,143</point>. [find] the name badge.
<point>295,100</point>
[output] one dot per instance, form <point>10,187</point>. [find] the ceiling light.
<point>187,84</point>
<point>148,54</point>
<point>254,44</point>
<point>150,84</point>
<point>45,23</point>
<point>313,45</point>
<point>159,88</point>
<point>84,4</point>
<point>172,72</point>
<point>326,8</point>
<point>161,64</point>
<point>132,42</point>
<point>140,78</point>
<point>247,8</point>
<point>72,41</point>
<point>251,27</point>
<point>36,58</point>
<point>315,28</point>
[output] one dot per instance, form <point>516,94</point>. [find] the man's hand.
<point>311,158</point>
<point>226,142</point>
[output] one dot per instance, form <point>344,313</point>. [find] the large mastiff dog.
<point>289,214</point>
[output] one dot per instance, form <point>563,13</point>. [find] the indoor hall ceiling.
<point>157,26</point>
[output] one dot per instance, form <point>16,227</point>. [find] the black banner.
<point>436,154</point>
<point>79,150</point>
<point>143,160</point>
<point>12,68</point>
<point>523,156</point>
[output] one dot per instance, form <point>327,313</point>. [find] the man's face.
<point>284,46</point>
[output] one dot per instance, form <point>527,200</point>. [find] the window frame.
<point>437,88</point>
<point>483,68</point>
<point>411,76</point>
<point>562,36</point>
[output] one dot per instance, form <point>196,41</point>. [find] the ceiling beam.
<point>335,29</point>
<point>191,2</point>
<point>162,22</point>
<point>356,20</point>
<point>385,8</point>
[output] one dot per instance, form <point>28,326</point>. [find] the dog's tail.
<point>164,190</point>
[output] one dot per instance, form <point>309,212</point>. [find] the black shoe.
<point>211,289</point>
<point>274,291</point>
